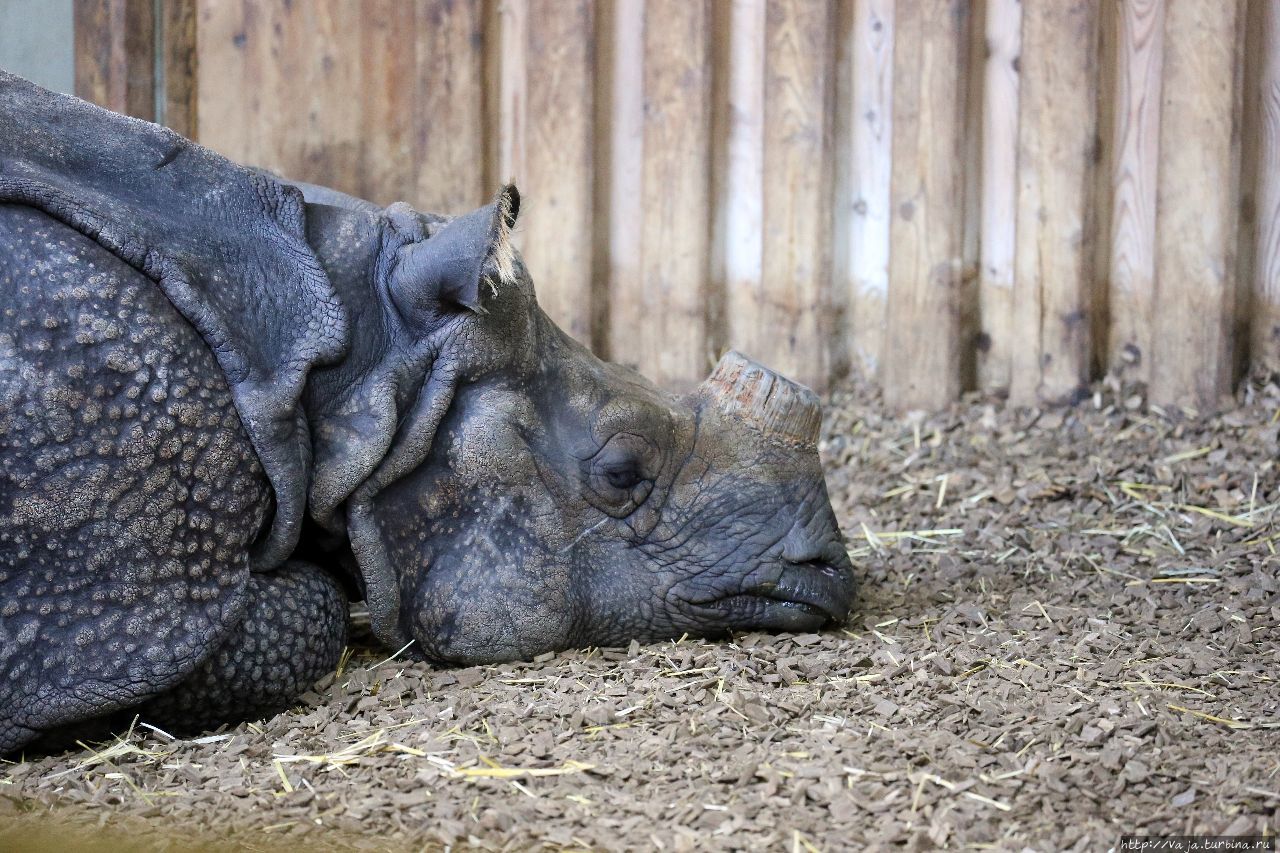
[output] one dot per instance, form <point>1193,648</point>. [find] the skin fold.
<point>229,402</point>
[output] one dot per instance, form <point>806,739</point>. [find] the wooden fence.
<point>1015,195</point>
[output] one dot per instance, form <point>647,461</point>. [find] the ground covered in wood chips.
<point>1067,631</point>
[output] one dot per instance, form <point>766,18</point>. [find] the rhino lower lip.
<point>819,609</point>
<point>816,588</point>
<point>765,612</point>
<point>805,596</point>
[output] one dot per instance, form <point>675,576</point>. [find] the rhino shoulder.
<point>227,246</point>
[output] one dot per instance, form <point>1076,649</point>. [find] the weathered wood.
<point>556,178</point>
<point>383,99</point>
<point>512,85</point>
<point>658,286</point>
<point>864,167</point>
<point>280,88</point>
<point>971,197</point>
<point>621,174</point>
<point>450,118</point>
<point>783,321</point>
<point>1099,244</point>
<point>922,352</point>
<point>1196,205</point>
<point>222,39</point>
<point>178,101</point>
<point>821,207</point>
<point>386,153</point>
<point>1266,264</point>
<point>115,55</point>
<point>999,193</point>
<point>1140,53</point>
<point>737,267</point>
<point>1056,149</point>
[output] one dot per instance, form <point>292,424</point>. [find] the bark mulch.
<point>1067,631</point>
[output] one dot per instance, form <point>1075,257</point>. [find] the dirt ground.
<point>1067,632</point>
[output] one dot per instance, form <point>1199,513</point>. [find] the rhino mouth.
<point>804,597</point>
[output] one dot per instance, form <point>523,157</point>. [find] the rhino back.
<point>129,492</point>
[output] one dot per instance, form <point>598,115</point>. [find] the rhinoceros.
<point>230,404</point>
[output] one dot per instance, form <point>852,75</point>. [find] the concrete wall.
<point>36,42</point>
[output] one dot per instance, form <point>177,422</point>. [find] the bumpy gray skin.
<point>219,392</point>
<point>129,499</point>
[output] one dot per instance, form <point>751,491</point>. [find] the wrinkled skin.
<point>302,392</point>
<point>563,501</point>
<point>567,502</point>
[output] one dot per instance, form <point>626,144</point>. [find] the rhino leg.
<point>293,633</point>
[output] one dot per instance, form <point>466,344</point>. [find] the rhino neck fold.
<point>373,414</point>
<point>357,405</point>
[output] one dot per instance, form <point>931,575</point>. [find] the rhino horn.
<point>781,409</point>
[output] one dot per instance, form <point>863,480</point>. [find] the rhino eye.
<point>623,478</point>
<point>619,477</point>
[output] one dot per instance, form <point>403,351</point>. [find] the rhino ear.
<point>445,271</point>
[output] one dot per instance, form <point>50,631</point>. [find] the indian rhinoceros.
<point>229,404</point>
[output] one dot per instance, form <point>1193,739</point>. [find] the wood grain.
<point>784,322</point>
<point>115,55</point>
<point>863,210</point>
<point>922,354</point>
<point>1266,265</point>
<point>1056,149</point>
<point>382,99</point>
<point>622,114</point>
<point>1132,265</point>
<point>660,270</point>
<point>999,193</point>
<point>449,119</point>
<point>178,63</point>
<point>281,89</point>
<point>1196,205</point>
<point>739,212</point>
<point>556,182</point>
<point>797,178</point>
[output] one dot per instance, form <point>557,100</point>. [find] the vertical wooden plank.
<point>1099,244</point>
<point>970,321</point>
<point>178,63</point>
<point>115,55</point>
<point>282,88</point>
<point>1132,267</point>
<point>386,164</point>
<point>740,186</point>
<point>676,220</point>
<point>1057,144</point>
<point>558,161</point>
<point>222,35</point>
<point>921,361</point>
<point>1266,265</point>
<point>1196,205</point>
<point>658,312</point>
<point>622,177</point>
<point>1250,60</point>
<point>320,85</point>
<point>449,120</point>
<point>785,322</point>
<point>999,193</point>
<point>512,22</point>
<point>382,99</point>
<point>862,212</point>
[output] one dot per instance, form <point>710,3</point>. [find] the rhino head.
<point>505,493</point>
